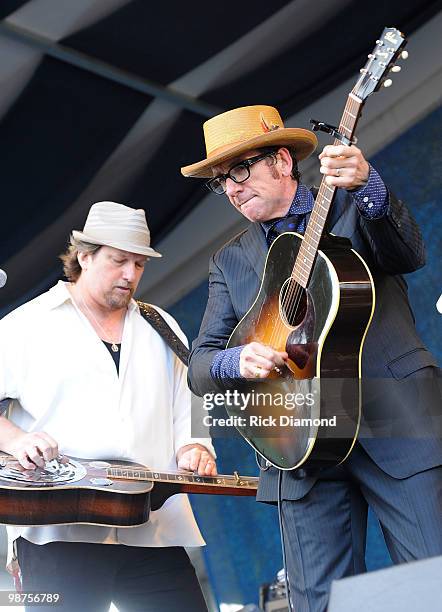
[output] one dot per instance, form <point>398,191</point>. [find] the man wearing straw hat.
<point>93,379</point>
<point>252,158</point>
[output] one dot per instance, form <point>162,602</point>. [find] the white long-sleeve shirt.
<point>66,383</point>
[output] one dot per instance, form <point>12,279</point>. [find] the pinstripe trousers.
<point>325,531</point>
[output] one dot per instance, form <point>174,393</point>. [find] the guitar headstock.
<point>380,61</point>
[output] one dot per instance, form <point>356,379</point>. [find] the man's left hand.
<point>344,166</point>
<point>196,458</point>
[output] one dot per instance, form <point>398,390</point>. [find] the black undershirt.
<point>115,354</point>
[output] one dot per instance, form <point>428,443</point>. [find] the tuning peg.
<point>388,83</point>
<point>396,69</point>
<point>404,55</point>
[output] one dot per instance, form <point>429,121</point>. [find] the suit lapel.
<point>335,214</point>
<point>342,220</point>
<point>255,247</point>
<point>336,221</point>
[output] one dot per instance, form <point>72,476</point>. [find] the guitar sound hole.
<point>293,302</point>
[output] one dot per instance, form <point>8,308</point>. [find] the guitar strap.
<point>153,317</point>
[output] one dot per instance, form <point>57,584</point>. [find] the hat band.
<point>110,234</point>
<point>223,148</point>
<point>137,237</point>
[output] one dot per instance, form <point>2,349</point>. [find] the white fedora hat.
<point>118,226</point>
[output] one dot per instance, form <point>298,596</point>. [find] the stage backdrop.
<point>243,548</point>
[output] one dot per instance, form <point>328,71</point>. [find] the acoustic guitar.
<point>113,493</point>
<point>315,302</point>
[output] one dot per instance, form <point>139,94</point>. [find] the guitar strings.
<point>227,477</point>
<point>350,111</point>
<point>291,298</point>
<point>230,480</point>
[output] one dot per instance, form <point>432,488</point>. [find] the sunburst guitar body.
<point>310,411</point>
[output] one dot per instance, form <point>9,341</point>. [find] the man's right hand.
<point>33,449</point>
<point>257,360</point>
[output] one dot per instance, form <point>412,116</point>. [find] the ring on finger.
<point>338,171</point>
<point>277,370</point>
<point>258,372</point>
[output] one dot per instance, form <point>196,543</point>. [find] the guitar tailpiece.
<point>320,126</point>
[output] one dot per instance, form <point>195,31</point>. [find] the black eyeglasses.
<point>239,173</point>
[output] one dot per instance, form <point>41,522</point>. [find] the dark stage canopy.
<point>104,100</point>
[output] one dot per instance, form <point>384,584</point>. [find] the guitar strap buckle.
<point>320,126</point>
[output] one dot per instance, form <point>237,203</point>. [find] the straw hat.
<point>242,129</point>
<point>118,226</point>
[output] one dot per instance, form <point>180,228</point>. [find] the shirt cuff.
<point>226,364</point>
<point>372,199</point>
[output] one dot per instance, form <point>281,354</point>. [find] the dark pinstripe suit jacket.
<point>393,351</point>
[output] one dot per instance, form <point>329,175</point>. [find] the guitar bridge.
<point>238,480</point>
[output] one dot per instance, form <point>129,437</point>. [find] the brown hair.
<point>71,267</point>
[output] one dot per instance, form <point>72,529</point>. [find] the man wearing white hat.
<point>252,158</point>
<point>93,379</point>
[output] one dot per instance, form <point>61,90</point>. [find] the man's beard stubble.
<point>118,301</point>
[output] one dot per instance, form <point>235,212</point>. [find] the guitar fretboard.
<point>180,478</point>
<point>309,246</point>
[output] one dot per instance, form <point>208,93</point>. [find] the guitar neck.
<point>309,247</point>
<point>190,483</point>
<point>173,482</point>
